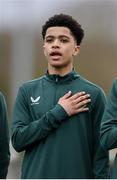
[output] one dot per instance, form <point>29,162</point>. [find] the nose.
<point>56,44</point>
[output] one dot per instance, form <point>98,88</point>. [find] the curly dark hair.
<point>65,21</point>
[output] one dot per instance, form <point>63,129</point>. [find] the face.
<point>60,47</point>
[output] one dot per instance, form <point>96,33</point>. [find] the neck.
<point>60,71</point>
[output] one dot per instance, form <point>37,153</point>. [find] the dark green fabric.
<point>4,139</point>
<point>57,146</point>
<point>109,125</point>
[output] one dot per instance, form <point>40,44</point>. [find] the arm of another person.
<point>4,139</point>
<point>101,157</point>
<point>26,131</point>
<point>109,120</point>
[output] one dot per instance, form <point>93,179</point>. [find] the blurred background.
<point>21,46</point>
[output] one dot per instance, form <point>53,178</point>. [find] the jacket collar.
<point>57,78</point>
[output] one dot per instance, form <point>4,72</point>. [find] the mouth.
<point>55,55</point>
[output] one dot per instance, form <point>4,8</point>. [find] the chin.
<point>58,66</point>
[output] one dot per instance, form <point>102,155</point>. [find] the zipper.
<point>56,79</point>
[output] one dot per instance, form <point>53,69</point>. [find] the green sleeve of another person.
<point>101,158</point>
<point>4,139</point>
<point>109,121</point>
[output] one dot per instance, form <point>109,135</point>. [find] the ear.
<point>76,50</point>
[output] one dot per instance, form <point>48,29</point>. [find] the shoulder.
<point>1,97</point>
<point>90,86</point>
<point>2,101</point>
<point>114,83</point>
<point>30,88</point>
<point>113,89</point>
<point>31,84</point>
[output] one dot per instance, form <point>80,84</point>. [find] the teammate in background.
<point>4,139</point>
<point>109,126</point>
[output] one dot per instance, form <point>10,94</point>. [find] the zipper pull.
<point>56,79</point>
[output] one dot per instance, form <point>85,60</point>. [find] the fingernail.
<point>69,92</point>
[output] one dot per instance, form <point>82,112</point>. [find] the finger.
<point>82,110</point>
<point>67,95</point>
<point>83,103</point>
<point>81,98</point>
<point>77,95</point>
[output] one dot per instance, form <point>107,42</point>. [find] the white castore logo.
<point>35,101</point>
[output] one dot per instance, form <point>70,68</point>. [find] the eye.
<point>49,40</point>
<point>64,40</point>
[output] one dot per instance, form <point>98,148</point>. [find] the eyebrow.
<point>61,36</point>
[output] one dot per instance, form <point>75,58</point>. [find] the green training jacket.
<point>57,146</point>
<point>4,139</point>
<point>109,125</point>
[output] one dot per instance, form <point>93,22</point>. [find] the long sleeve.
<point>4,139</point>
<point>25,130</point>
<point>101,158</point>
<point>109,121</point>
